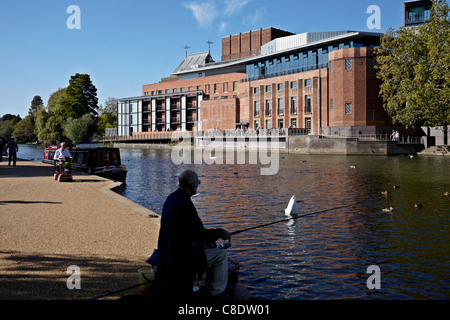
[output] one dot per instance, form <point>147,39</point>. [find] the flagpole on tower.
<point>209,46</point>
<point>186,48</point>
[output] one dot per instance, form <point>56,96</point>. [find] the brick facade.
<point>249,43</point>
<point>340,93</point>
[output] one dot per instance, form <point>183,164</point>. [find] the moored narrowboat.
<point>93,159</point>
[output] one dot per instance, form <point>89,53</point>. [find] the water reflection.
<point>323,256</point>
<point>326,255</point>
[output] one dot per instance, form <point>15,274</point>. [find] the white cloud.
<point>256,17</point>
<point>204,12</point>
<point>222,27</point>
<point>234,6</point>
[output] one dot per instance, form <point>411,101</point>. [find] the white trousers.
<point>216,270</point>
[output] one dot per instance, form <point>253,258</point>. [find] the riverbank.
<point>299,144</point>
<point>46,227</point>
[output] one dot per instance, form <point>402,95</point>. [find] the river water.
<point>327,255</point>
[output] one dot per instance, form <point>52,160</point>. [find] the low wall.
<point>297,144</point>
<point>318,145</point>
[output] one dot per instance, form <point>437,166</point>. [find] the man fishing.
<point>185,248</point>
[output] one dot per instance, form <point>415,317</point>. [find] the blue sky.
<point>125,44</point>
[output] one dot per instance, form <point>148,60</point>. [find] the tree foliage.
<point>414,66</point>
<point>7,123</point>
<point>24,130</point>
<point>69,115</point>
<point>81,97</point>
<point>108,116</point>
<point>80,129</point>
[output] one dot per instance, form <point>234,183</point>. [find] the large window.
<point>268,108</point>
<point>293,105</point>
<point>280,123</point>
<point>280,106</point>
<point>308,125</point>
<point>308,103</point>
<point>256,109</point>
<point>417,15</point>
<point>293,123</point>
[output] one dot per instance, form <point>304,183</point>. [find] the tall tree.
<point>37,101</point>
<point>81,97</point>
<point>108,116</point>
<point>414,66</point>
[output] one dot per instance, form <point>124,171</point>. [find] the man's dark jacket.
<point>182,235</point>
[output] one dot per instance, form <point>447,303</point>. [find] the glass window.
<point>268,88</point>
<point>280,123</point>
<point>268,108</point>
<point>348,108</point>
<point>308,125</point>
<point>308,103</point>
<point>307,82</point>
<point>280,86</point>
<point>256,109</point>
<point>293,84</point>
<point>280,106</point>
<point>348,64</point>
<point>293,123</point>
<point>293,105</point>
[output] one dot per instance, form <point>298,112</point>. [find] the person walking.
<point>2,149</point>
<point>12,148</point>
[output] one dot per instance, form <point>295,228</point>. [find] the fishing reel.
<point>225,244</point>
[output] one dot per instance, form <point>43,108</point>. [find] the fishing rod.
<point>288,219</point>
<point>226,245</point>
<point>120,290</point>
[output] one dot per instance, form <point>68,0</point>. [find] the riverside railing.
<point>378,137</point>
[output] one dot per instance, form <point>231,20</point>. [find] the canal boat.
<point>93,159</point>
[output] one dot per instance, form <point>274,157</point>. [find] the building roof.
<point>194,61</point>
<point>279,46</point>
<point>300,39</point>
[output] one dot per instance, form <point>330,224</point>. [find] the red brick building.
<point>324,82</point>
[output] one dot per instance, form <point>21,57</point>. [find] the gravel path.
<point>47,226</point>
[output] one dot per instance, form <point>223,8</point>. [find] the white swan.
<point>292,209</point>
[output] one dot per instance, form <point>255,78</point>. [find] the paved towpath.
<point>47,226</point>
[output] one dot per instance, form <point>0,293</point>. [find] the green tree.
<point>24,130</point>
<point>49,125</point>
<point>7,123</point>
<point>414,67</point>
<point>80,129</point>
<point>81,97</point>
<point>37,101</point>
<point>49,121</point>
<point>108,116</point>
